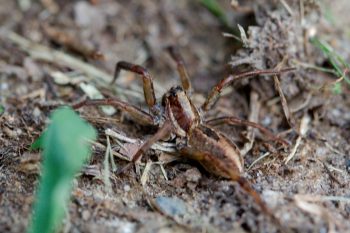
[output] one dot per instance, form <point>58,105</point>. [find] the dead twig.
<point>161,146</point>
<point>253,117</point>
<point>304,202</point>
<point>258,160</point>
<point>321,198</point>
<point>287,7</point>
<point>102,147</point>
<point>326,167</point>
<point>145,173</point>
<point>304,127</point>
<point>284,102</point>
<point>40,52</point>
<point>302,105</point>
<point>106,172</point>
<point>63,38</point>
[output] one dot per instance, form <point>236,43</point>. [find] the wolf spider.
<point>195,136</point>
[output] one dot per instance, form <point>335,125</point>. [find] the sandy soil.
<point>309,193</point>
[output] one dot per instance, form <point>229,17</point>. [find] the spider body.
<point>178,118</point>
<point>202,143</point>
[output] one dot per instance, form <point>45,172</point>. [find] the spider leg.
<point>148,88</point>
<point>246,186</point>
<point>163,131</point>
<point>215,92</point>
<point>232,120</point>
<point>185,80</point>
<point>136,113</point>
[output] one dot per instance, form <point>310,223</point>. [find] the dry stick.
<point>330,173</point>
<point>44,53</point>
<point>253,117</point>
<point>284,103</point>
<point>258,160</point>
<point>145,174</point>
<point>106,172</point>
<point>314,209</point>
<point>333,149</point>
<point>161,146</point>
<point>287,7</point>
<point>321,198</point>
<point>41,52</point>
<point>304,127</point>
<point>103,147</point>
<point>70,42</point>
<point>302,105</point>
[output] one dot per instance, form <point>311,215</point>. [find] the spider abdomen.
<point>214,151</point>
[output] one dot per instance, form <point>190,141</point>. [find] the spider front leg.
<point>234,175</point>
<point>148,88</point>
<point>162,132</point>
<point>215,92</point>
<point>137,114</point>
<point>246,186</point>
<point>237,121</point>
<point>185,80</point>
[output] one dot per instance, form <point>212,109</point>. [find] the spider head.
<point>175,91</point>
<point>181,111</point>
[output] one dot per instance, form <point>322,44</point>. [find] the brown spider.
<point>176,115</point>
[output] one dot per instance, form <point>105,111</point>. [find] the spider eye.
<point>176,90</point>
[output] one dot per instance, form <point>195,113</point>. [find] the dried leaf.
<point>243,36</point>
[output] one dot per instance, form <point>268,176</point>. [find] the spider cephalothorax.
<point>182,113</point>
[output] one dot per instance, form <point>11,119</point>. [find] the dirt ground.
<point>50,49</point>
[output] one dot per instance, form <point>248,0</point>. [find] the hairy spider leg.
<point>215,92</point>
<point>162,132</point>
<point>245,185</point>
<point>232,120</point>
<point>181,68</point>
<point>137,114</point>
<point>148,88</point>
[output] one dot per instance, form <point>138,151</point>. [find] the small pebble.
<point>266,121</point>
<point>4,86</point>
<point>171,206</point>
<point>193,175</point>
<point>36,112</point>
<point>347,165</point>
<point>85,215</point>
<point>126,188</point>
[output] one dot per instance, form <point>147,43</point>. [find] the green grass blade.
<point>2,110</point>
<point>65,151</point>
<point>214,8</point>
<point>337,62</point>
<point>328,52</point>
